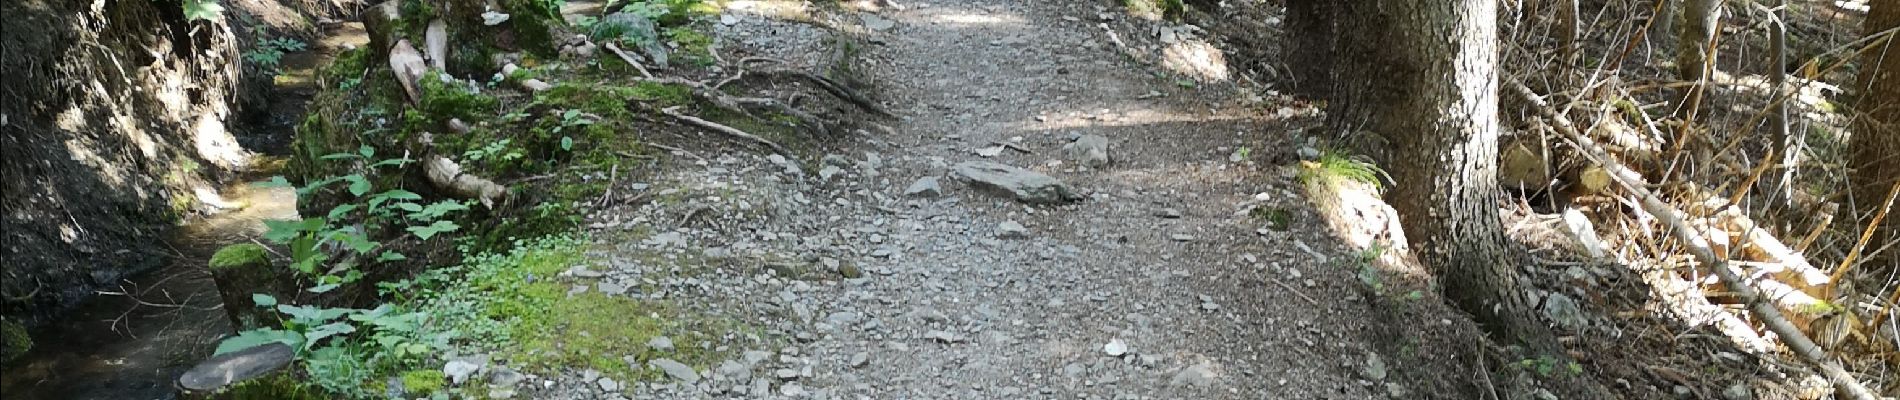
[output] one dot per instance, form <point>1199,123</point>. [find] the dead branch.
<point>727,130</point>
<point>629,59</point>
<point>1798,342</point>
<point>832,87</point>
<point>812,123</point>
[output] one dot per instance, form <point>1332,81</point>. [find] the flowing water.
<point>132,341</point>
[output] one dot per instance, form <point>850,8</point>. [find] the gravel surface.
<point>890,277</point>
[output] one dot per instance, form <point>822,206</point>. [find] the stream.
<point>132,341</point>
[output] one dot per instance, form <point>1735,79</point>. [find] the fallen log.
<point>1845,383</point>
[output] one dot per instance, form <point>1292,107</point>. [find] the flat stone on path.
<point>1022,184</point>
<point>925,187</point>
<point>676,370</point>
<point>1089,150</point>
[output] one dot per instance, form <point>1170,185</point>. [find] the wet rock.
<point>1089,150</point>
<point>1022,184</point>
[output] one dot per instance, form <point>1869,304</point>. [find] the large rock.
<point>1022,184</point>
<point>226,369</point>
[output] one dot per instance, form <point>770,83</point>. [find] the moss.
<point>442,101</point>
<point>694,47</point>
<point>530,25</point>
<point>423,381</point>
<point>240,255</point>
<point>1334,166</point>
<point>274,387</point>
<point>14,341</point>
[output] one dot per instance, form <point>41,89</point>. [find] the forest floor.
<point>1193,267</point>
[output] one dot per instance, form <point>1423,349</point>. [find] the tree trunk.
<point>1309,31</point>
<point>1875,147</point>
<point>1693,55</point>
<point>1430,86</point>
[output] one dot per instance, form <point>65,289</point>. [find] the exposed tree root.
<point>447,175</point>
<point>628,58</point>
<point>726,130</point>
<point>830,86</point>
<point>1758,303</point>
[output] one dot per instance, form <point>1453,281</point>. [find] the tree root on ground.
<point>726,130</point>
<point>447,175</point>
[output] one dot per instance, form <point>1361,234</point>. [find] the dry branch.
<point>727,130</point>
<point>629,59</point>
<point>833,87</point>
<point>1845,383</point>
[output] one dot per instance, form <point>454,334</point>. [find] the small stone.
<point>1201,374</point>
<point>1115,347</point>
<point>924,187</point>
<point>1180,237</point>
<point>1011,230</point>
<point>876,23</point>
<point>1562,310</point>
<point>1738,391</point>
<point>944,336</point>
<point>850,271</point>
<point>733,371</point>
<point>1022,184</point>
<point>792,390</point>
<point>660,343</point>
<point>675,369</point>
<point>1089,150</point>
<point>1375,367</point>
<point>835,160</point>
<point>785,374</point>
<point>728,19</point>
<point>608,384</point>
<point>860,359</point>
<point>458,371</point>
<point>1169,213</point>
<point>829,171</point>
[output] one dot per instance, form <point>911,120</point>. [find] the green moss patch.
<point>243,255</point>
<point>424,381</point>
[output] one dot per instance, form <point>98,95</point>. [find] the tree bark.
<point>1693,58</point>
<point>1309,31</point>
<point>1875,147</point>
<point>1430,86</point>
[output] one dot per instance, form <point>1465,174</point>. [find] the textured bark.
<point>1309,35</point>
<point>1430,73</point>
<point>1876,143</point>
<point>1693,58</point>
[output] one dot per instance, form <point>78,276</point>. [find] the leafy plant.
<point>202,10</point>
<point>497,150</point>
<point>269,53</point>
<point>569,119</point>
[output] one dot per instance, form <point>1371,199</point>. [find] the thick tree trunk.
<point>1693,55</point>
<point>1432,82</point>
<point>1309,35</point>
<point>1875,150</point>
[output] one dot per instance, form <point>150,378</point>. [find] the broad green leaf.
<point>341,210</point>
<point>426,232</point>
<point>323,288</point>
<point>391,256</point>
<point>263,300</point>
<point>366,151</point>
<point>282,231</point>
<point>393,161</point>
<point>358,184</point>
<point>567,143</point>
<point>326,330</point>
<point>437,210</point>
<point>410,207</point>
<point>339,156</point>
<point>571,114</point>
<point>257,337</point>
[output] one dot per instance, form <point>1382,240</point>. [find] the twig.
<point>1868,234</point>
<point>727,130</point>
<point>613,177</point>
<point>678,150</point>
<point>629,59</point>
<point>1296,292</point>
<point>1797,342</point>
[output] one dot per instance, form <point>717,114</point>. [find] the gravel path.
<point>1159,283</point>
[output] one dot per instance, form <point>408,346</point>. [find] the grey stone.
<point>1201,374</point>
<point>675,369</point>
<point>1169,213</point>
<point>611,288</point>
<point>1375,367</point>
<point>1011,230</point>
<point>1739,391</point>
<point>1115,348</point>
<point>1179,237</point>
<point>1563,311</point>
<point>608,384</point>
<point>458,371</point>
<point>835,160</point>
<point>924,187</point>
<point>1022,184</point>
<point>636,26</point>
<point>944,336</point>
<point>1089,150</point>
<point>876,23</point>
<point>733,371</point>
<point>785,374</point>
<point>860,359</point>
<point>829,171</point>
<point>504,376</point>
<point>660,343</point>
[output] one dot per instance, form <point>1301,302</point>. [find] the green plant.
<point>497,150</point>
<point>309,238</point>
<point>202,10</point>
<point>269,53</point>
<point>569,119</point>
<point>1548,366</point>
<point>1335,167</point>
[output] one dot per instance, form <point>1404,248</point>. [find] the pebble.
<point>660,343</point>
<point>675,369</point>
<point>924,187</point>
<point>944,336</point>
<point>1115,348</point>
<point>1011,230</point>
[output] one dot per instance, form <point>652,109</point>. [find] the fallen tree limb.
<point>727,130</point>
<point>629,59</point>
<point>447,175</point>
<point>830,86</point>
<point>1844,383</point>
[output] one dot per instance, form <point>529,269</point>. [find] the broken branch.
<point>727,130</point>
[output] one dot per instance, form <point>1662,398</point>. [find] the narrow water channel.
<point>132,341</point>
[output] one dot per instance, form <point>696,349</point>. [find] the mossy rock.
<point>14,341</point>
<point>240,255</point>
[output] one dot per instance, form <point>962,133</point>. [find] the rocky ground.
<point>1045,219</point>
